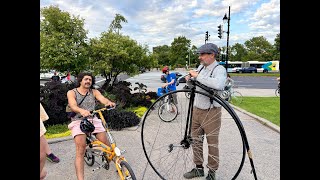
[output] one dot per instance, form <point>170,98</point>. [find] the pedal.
<point>106,165</point>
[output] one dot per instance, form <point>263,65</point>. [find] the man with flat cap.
<point>213,75</point>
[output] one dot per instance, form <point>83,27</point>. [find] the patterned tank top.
<point>89,103</point>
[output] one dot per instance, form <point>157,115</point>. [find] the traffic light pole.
<point>228,41</point>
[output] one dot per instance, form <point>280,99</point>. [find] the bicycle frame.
<point>186,142</point>
<point>112,152</point>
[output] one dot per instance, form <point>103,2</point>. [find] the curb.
<point>259,119</point>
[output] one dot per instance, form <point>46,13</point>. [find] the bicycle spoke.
<point>170,155</point>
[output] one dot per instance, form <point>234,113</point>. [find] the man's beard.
<point>204,63</point>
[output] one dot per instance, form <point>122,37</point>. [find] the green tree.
<point>115,25</point>
<point>162,54</point>
<point>237,52</point>
<point>62,41</point>
<point>113,53</point>
<point>194,56</point>
<point>179,50</point>
<point>259,49</point>
<point>276,46</point>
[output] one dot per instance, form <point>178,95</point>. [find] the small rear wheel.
<point>127,171</point>
<point>88,157</point>
<point>278,92</point>
<point>168,111</point>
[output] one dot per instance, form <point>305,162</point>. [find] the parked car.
<point>247,70</point>
<point>182,80</point>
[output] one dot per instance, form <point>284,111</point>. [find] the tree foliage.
<point>179,50</point>
<point>162,54</point>
<point>259,49</point>
<point>113,53</point>
<point>115,25</point>
<point>237,52</point>
<point>63,44</point>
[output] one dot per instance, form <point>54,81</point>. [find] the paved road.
<point>264,143</point>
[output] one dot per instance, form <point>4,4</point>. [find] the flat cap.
<point>208,48</point>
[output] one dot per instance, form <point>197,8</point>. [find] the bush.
<point>152,95</point>
<point>118,120</point>
<point>54,100</point>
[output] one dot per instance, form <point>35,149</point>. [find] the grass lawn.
<point>265,107</point>
<point>56,131</point>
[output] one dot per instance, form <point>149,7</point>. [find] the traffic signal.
<point>220,31</point>
<point>207,36</point>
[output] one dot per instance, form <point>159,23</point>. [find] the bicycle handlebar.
<point>93,112</point>
<point>206,88</point>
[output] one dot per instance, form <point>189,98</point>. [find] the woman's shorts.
<point>74,126</point>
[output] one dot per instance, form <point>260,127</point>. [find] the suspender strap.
<point>211,70</point>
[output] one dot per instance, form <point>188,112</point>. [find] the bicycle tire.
<point>277,92</point>
<point>187,95</point>
<point>236,98</point>
<point>89,158</point>
<point>127,171</point>
<point>156,143</point>
<point>164,111</point>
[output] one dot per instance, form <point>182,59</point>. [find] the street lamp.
<point>227,19</point>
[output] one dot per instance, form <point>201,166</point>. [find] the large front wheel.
<point>127,171</point>
<point>171,154</point>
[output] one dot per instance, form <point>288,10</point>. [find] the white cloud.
<point>158,22</point>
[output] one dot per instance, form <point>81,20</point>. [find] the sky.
<point>158,22</point>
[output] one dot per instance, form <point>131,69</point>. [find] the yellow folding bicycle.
<point>97,149</point>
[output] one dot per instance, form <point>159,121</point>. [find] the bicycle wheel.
<point>167,111</point>
<point>170,157</point>
<point>89,157</point>
<point>127,171</point>
<point>187,94</point>
<point>277,92</point>
<point>236,98</point>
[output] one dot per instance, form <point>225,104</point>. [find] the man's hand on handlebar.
<point>85,113</point>
<point>110,104</point>
<point>192,73</point>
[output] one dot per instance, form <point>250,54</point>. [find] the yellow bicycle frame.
<point>109,150</point>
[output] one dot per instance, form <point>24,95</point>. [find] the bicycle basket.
<point>162,91</point>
